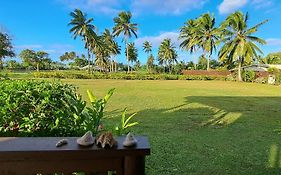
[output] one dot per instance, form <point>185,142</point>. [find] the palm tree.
<point>239,42</point>
<point>132,53</point>
<point>81,26</point>
<point>167,54</point>
<point>111,46</point>
<point>147,48</point>
<point>123,25</point>
<point>209,35</point>
<point>149,62</point>
<point>189,37</point>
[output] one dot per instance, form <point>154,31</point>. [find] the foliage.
<point>167,54</point>
<point>123,25</point>
<point>83,27</point>
<point>248,76</point>
<point>124,126</point>
<point>6,48</point>
<point>132,52</point>
<point>67,56</point>
<point>272,58</point>
<point>150,62</point>
<point>36,108</point>
<point>33,59</point>
<point>239,42</point>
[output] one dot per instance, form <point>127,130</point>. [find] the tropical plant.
<point>132,53</point>
<point>81,26</point>
<point>189,37</point>
<point>96,111</point>
<point>239,42</point>
<point>6,48</point>
<point>67,56</point>
<point>208,35</point>
<point>32,58</point>
<point>124,25</point>
<point>167,54</point>
<point>112,48</point>
<point>150,62</point>
<point>147,48</point>
<point>125,125</point>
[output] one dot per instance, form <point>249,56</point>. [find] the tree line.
<point>236,40</point>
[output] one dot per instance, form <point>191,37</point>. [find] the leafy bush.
<point>248,76</point>
<point>43,108</point>
<point>36,108</point>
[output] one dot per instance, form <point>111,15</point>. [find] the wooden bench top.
<point>11,146</point>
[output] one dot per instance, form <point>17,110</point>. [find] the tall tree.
<point>123,25</point>
<point>83,27</point>
<point>167,54</point>
<point>68,56</point>
<point>189,37</point>
<point>150,62</point>
<point>132,53</point>
<point>208,35</point>
<point>147,48</point>
<point>32,58</point>
<point>6,48</point>
<point>239,42</point>
<point>112,47</point>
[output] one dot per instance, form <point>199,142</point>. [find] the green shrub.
<point>36,108</point>
<point>248,76</point>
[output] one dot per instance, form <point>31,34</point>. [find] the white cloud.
<point>112,7</point>
<point>166,7</point>
<point>156,40</point>
<point>109,7</point>
<point>262,3</point>
<point>228,6</point>
<point>273,41</point>
<point>29,46</point>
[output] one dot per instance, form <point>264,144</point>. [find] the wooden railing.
<point>39,155</point>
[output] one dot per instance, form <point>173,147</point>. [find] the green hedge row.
<point>124,76</point>
<point>37,108</point>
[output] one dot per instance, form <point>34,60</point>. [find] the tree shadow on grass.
<point>214,135</point>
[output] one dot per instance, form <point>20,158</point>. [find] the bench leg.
<point>134,165</point>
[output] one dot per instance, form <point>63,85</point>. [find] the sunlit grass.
<point>200,127</point>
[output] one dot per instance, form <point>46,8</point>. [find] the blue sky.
<point>42,25</point>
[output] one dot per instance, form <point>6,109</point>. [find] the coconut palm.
<point>167,54</point>
<point>123,25</point>
<point>83,27</point>
<point>189,37</point>
<point>208,35</point>
<point>132,53</point>
<point>150,62</point>
<point>239,42</point>
<point>111,46</point>
<point>147,48</point>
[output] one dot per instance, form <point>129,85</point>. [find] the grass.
<point>200,127</point>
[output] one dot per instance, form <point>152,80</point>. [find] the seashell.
<point>106,140</point>
<point>61,142</point>
<point>86,140</point>
<point>130,140</point>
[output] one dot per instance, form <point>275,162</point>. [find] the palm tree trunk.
<point>127,55</point>
<point>37,65</point>
<point>89,62</point>
<point>239,72</point>
<point>208,62</point>
<point>195,59</point>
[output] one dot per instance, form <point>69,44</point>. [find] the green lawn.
<point>201,127</point>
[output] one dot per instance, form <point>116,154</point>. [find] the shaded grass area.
<point>200,127</point>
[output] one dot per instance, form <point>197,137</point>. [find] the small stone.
<point>130,140</point>
<point>86,140</point>
<point>61,142</point>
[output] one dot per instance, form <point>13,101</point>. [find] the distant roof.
<point>259,67</point>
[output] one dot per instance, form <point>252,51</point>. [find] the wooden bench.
<point>32,155</point>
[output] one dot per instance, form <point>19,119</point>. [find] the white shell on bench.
<point>130,140</point>
<point>86,140</point>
